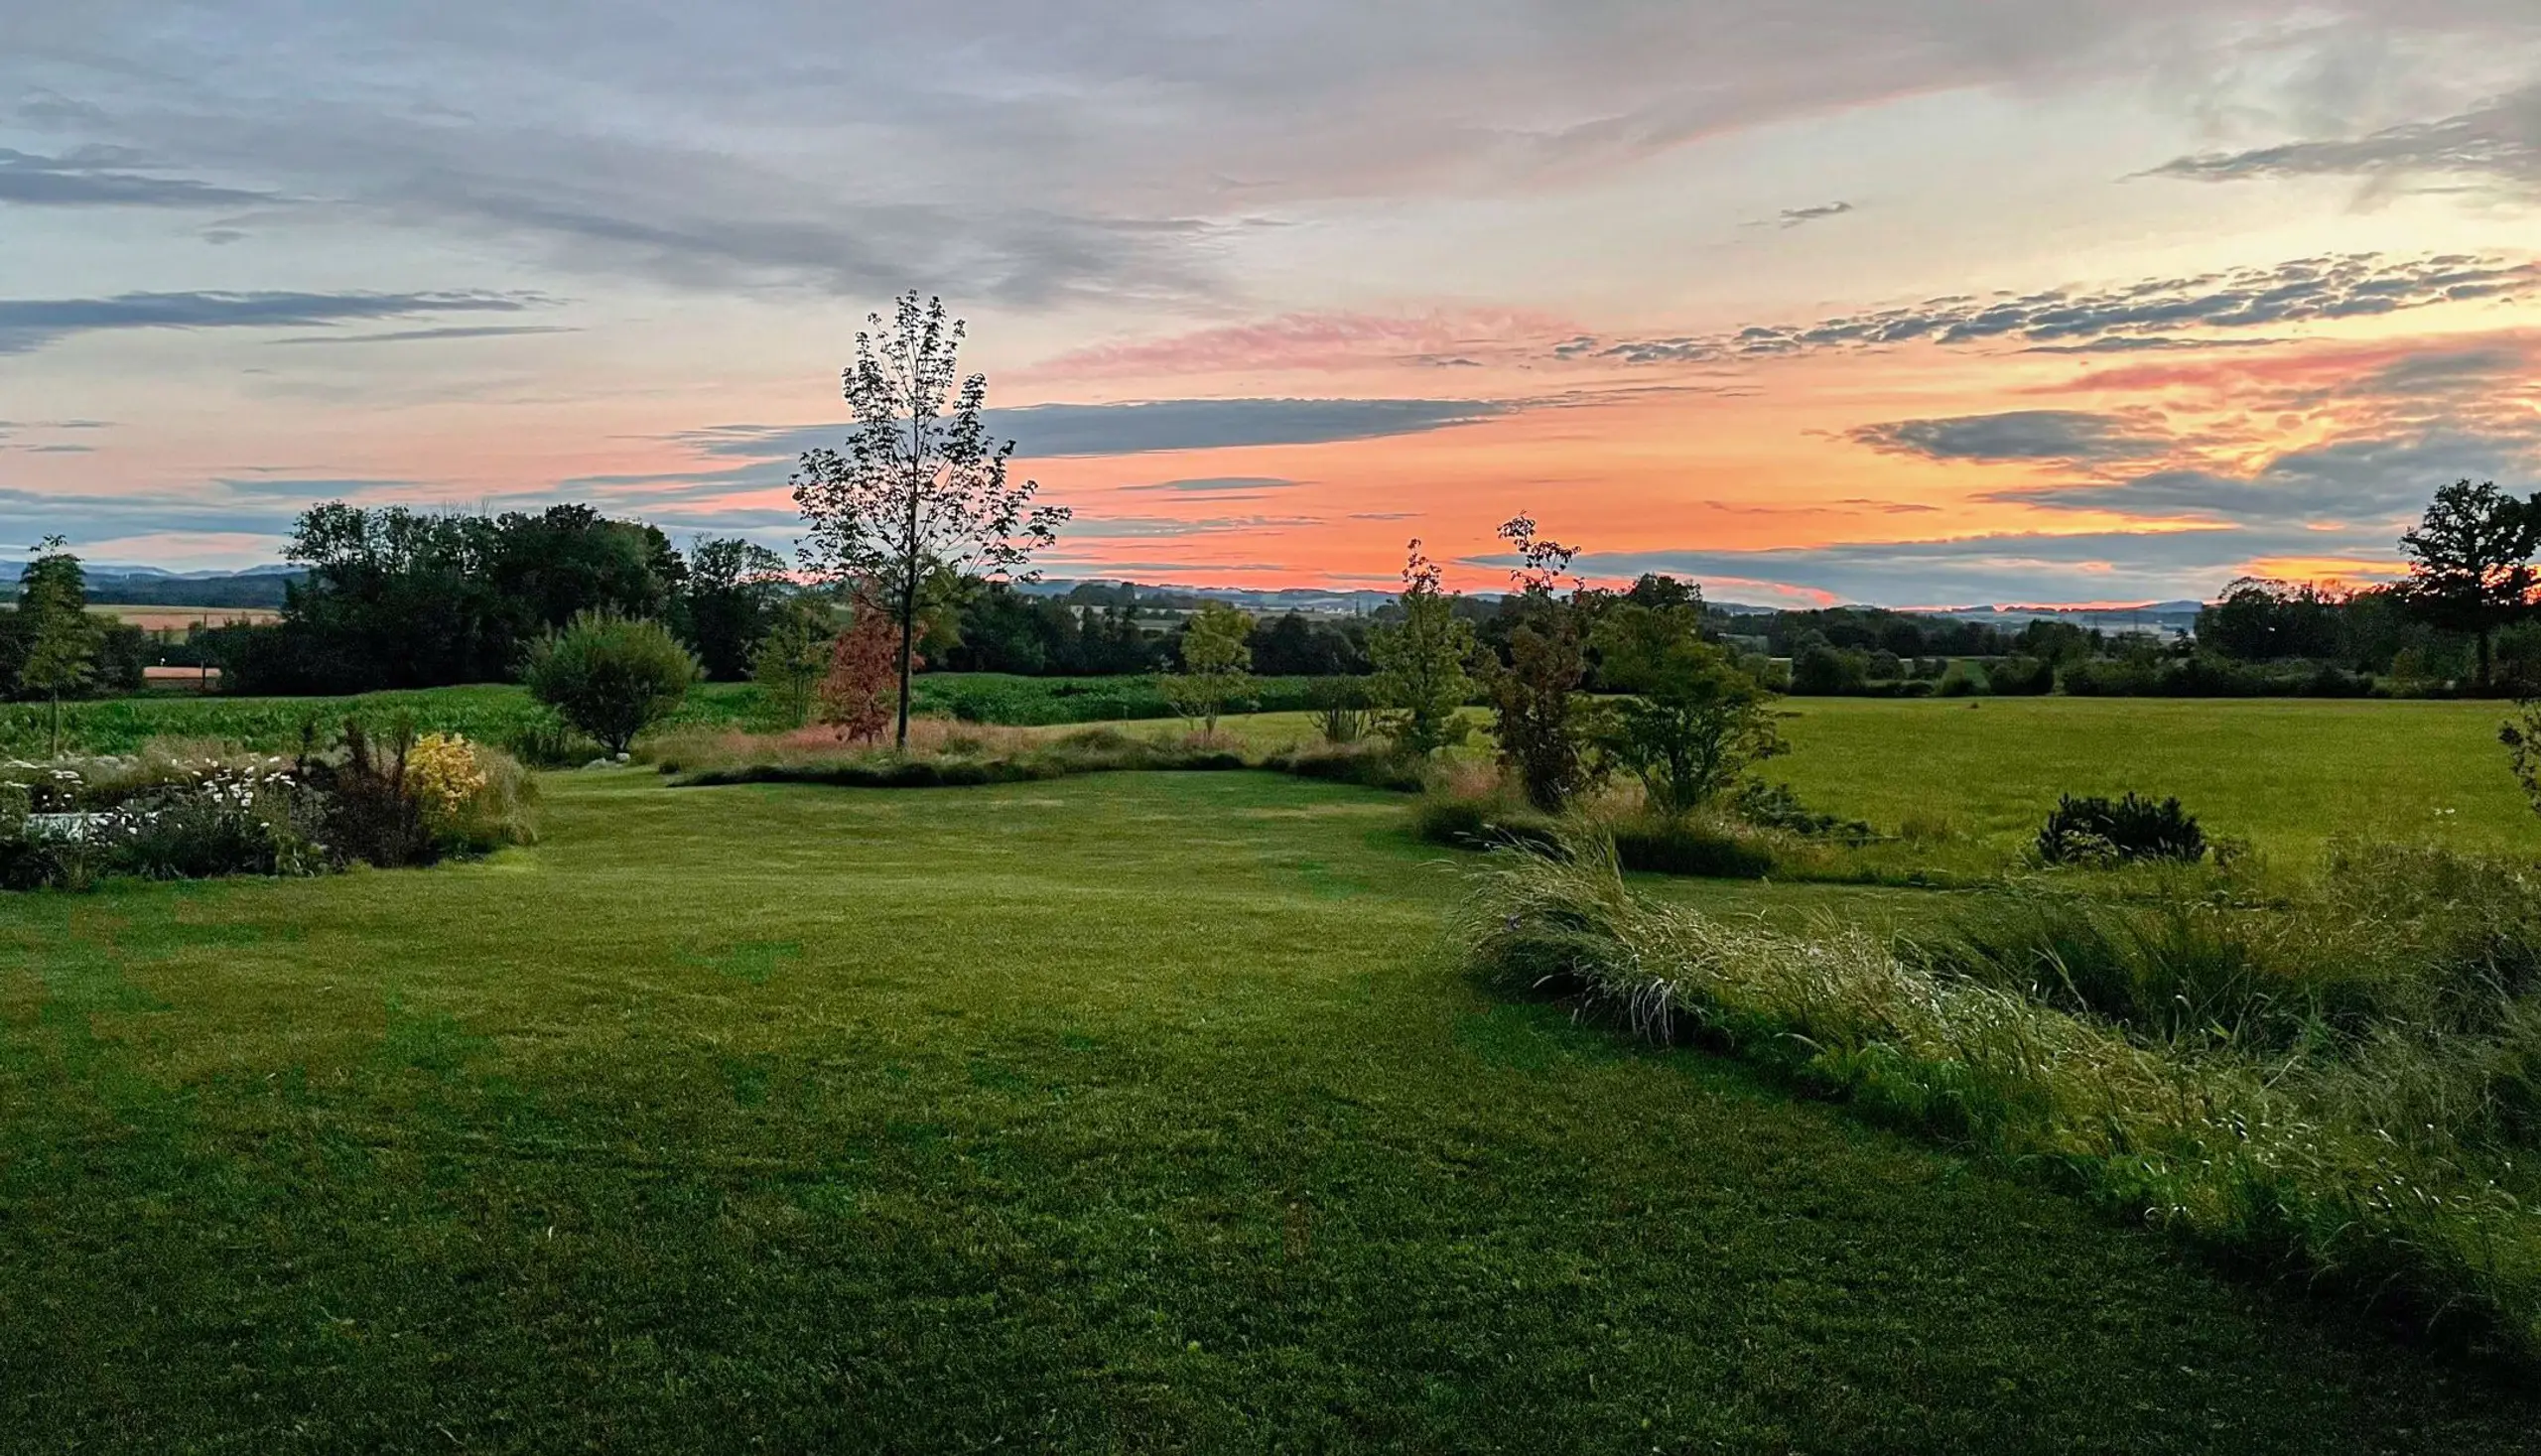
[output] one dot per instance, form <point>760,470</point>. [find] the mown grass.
<point>1138,1113</point>
<point>2284,775</point>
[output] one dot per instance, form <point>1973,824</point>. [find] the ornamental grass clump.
<point>2282,1160</point>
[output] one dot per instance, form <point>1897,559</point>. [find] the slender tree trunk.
<point>2487,652</point>
<point>908,649</point>
<point>57,725</point>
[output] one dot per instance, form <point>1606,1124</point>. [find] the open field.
<point>2284,774</point>
<point>491,713</point>
<point>1130,1112</point>
<point>178,618</point>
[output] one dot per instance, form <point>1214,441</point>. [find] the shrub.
<point>548,742</point>
<point>1694,721</point>
<point>1822,671</point>
<point>2521,736</point>
<point>472,799</point>
<point>611,677</point>
<point>788,662</point>
<point>1215,667</point>
<point>444,775</point>
<point>1678,844</point>
<point>1544,735</point>
<point>1962,679</point>
<point>1341,709</point>
<point>372,813</point>
<point>861,691</point>
<point>1776,806</point>
<point>1483,824</point>
<point>1422,663</point>
<point>2088,830</point>
<point>2020,677</point>
<point>1382,767</point>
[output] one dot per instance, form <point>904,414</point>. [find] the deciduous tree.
<point>864,671</point>
<point>1424,662</point>
<point>2470,564</point>
<point>1534,694</point>
<point>792,660</point>
<point>731,597</point>
<point>1217,662</point>
<point>1693,721</point>
<point>919,492</point>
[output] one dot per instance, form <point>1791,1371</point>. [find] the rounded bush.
<point>611,677</point>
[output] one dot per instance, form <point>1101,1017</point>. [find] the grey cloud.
<point>2499,141</point>
<point>1059,431</point>
<point>27,324</point>
<point>2373,479</point>
<point>2305,290</point>
<point>31,514</point>
<point>1106,151</point>
<point>103,177</point>
<point>313,491</point>
<point>1126,528</point>
<point>2020,435</point>
<point>1798,216</point>
<point>2150,344</point>
<point>1218,484</point>
<point>414,336</point>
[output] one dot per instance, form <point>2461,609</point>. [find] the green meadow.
<point>1127,1112</point>
<point>1123,1113</point>
<point>2285,774</point>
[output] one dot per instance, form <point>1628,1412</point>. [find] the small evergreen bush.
<point>2088,830</point>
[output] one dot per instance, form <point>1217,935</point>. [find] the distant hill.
<point>1311,600</point>
<point>140,585</point>
<point>2166,618</point>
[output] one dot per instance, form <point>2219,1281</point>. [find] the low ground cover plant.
<point>2379,1152</point>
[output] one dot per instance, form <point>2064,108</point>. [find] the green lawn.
<point>2283,773</point>
<point>1135,1112</point>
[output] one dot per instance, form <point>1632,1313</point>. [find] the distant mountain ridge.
<point>146,585</point>
<point>262,586</point>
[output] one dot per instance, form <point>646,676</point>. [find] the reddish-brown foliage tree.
<point>862,687</point>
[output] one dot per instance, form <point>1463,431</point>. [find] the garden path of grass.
<point>1135,1112</point>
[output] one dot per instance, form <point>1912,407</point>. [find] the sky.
<point>1912,302</point>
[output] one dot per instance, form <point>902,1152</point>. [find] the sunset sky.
<point>1917,302</point>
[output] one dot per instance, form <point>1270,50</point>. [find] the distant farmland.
<point>178,618</point>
